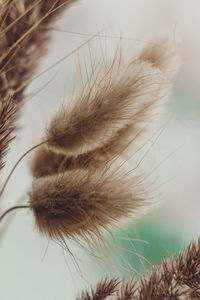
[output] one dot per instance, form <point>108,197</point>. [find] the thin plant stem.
<point>17,163</point>
<point>11,209</point>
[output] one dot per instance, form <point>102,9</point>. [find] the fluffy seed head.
<point>162,54</point>
<point>69,197</point>
<point>80,203</point>
<point>45,162</point>
<point>110,116</point>
<point>119,106</point>
<point>97,118</point>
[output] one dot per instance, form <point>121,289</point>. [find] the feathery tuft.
<point>73,194</point>
<point>176,278</point>
<point>81,202</point>
<point>116,111</point>
<point>163,54</point>
<point>118,108</point>
<point>46,162</point>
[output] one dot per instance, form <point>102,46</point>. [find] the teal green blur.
<point>145,243</point>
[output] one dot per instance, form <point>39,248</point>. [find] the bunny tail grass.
<point>119,107</point>
<point>164,55</point>
<point>112,115</point>
<point>79,202</point>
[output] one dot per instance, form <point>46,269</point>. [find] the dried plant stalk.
<point>23,38</point>
<point>176,279</point>
<point>23,35</point>
<point>8,111</point>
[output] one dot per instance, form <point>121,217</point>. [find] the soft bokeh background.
<point>32,267</point>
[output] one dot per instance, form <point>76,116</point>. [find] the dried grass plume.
<point>24,32</point>
<point>176,278</point>
<point>73,194</point>
<point>118,106</point>
<point>84,203</point>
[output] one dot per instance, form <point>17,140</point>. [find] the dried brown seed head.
<point>120,107</point>
<point>79,202</point>
<point>163,54</point>
<point>176,278</point>
<point>128,98</point>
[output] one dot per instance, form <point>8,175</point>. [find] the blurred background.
<point>31,267</point>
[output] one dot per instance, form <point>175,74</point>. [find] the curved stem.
<point>11,209</point>
<point>16,164</point>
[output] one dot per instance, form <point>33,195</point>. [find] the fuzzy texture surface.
<point>117,108</point>
<point>83,203</point>
<point>103,289</point>
<point>113,113</point>
<point>80,189</point>
<point>176,278</point>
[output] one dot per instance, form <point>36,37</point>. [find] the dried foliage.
<point>23,36</point>
<point>74,193</point>
<point>77,190</point>
<point>104,288</point>
<point>176,279</point>
<point>24,33</point>
<point>8,111</point>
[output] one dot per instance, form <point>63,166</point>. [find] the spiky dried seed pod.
<point>127,291</point>
<point>103,289</point>
<point>175,279</point>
